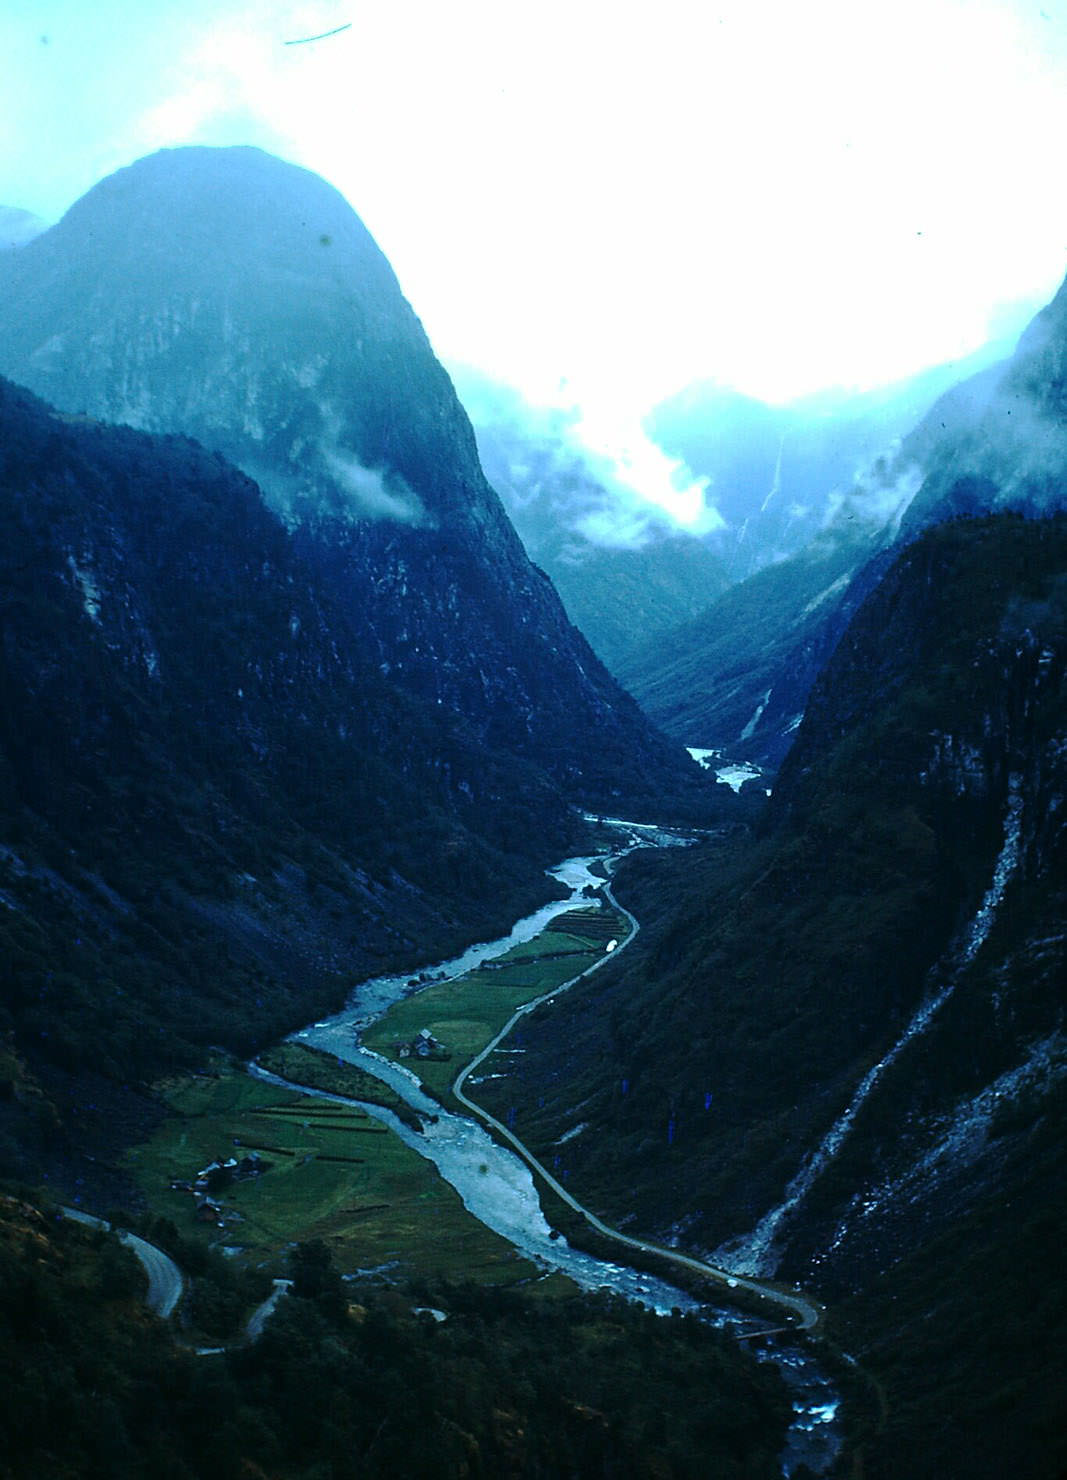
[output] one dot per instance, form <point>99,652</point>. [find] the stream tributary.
<point>498,1187</point>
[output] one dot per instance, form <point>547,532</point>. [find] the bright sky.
<point>780,195</point>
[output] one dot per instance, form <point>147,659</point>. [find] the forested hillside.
<point>216,813</point>
<point>357,1381</point>
<point>855,1016</point>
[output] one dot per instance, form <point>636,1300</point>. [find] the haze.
<point>601,204</point>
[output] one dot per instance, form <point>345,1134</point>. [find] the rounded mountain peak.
<point>236,203</point>
<point>239,299</point>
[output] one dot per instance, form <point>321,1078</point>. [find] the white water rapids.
<point>498,1188</point>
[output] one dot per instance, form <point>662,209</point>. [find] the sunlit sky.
<point>616,199</point>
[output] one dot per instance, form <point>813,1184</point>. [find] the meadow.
<point>332,1173</point>
<point>466,1013</point>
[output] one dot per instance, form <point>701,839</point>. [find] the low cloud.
<point>646,488</point>
<point>371,493</point>
<point>879,495</point>
<point>571,477</point>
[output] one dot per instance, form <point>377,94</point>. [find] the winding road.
<point>806,1313</point>
<point>165,1283</point>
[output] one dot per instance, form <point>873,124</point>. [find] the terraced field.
<point>331,1173</point>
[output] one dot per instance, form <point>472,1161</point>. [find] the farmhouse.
<point>423,1046</point>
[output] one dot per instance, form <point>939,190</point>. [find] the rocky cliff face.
<point>239,300</point>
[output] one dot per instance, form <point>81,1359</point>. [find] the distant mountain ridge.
<point>785,480</point>
<point>779,473</point>
<point>17,227</point>
<point>738,675</point>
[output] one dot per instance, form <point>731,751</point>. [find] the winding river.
<point>497,1185</point>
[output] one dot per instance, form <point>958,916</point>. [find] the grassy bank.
<point>331,1173</point>
<point>310,1066</point>
<point>465,1014</point>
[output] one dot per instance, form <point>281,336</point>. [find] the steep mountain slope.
<point>624,572</point>
<point>1000,440</point>
<point>838,1055</point>
<point>237,299</point>
<point>215,811</point>
<point>738,676</point>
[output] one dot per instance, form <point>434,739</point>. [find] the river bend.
<point>497,1186</point>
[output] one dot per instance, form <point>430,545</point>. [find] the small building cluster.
<point>213,1179</point>
<point>423,1046</point>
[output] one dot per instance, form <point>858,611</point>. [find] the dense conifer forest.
<point>356,1380</point>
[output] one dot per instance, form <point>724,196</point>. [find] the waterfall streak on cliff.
<point>964,1135</point>
<point>755,1253</point>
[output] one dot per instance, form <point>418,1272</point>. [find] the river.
<point>498,1188</point>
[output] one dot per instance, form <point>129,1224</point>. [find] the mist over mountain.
<point>999,441</point>
<point>215,811</point>
<point>837,1053</point>
<point>237,299</point>
<point>780,475</point>
<point>284,702</point>
<point>820,476</point>
<point>17,227</point>
<point>307,728</point>
<point>738,675</point>
<point>624,570</point>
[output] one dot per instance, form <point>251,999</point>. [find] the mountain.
<point>624,571</point>
<point>216,812</point>
<point>17,227</point>
<point>778,474</point>
<point>737,676</point>
<point>836,1052</point>
<point>815,481</point>
<point>236,299</point>
<point>999,441</point>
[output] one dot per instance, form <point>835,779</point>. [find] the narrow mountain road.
<point>804,1313</point>
<point>165,1283</point>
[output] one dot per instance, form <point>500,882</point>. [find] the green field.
<point>334,1174</point>
<point>311,1066</point>
<point>465,1014</point>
